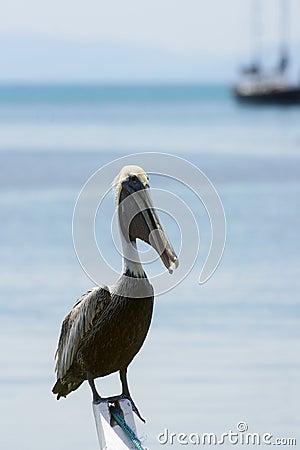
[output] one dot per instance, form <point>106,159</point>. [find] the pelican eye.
<point>133,179</point>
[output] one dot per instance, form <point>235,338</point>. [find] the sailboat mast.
<point>257,31</point>
<point>284,29</point>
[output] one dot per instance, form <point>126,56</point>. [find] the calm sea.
<point>217,354</point>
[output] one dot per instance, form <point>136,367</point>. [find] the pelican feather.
<point>77,324</point>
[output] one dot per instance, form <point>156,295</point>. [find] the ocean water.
<point>217,354</point>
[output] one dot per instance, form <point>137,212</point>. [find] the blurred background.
<point>82,83</point>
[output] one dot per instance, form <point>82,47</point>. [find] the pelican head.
<point>138,218</point>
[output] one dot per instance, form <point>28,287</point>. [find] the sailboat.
<point>259,86</point>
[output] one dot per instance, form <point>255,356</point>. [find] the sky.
<point>51,38</point>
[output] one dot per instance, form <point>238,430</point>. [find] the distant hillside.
<point>40,58</point>
<point>35,58</point>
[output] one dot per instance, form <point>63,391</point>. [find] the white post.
<point>112,437</point>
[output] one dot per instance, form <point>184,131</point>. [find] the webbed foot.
<point>122,397</point>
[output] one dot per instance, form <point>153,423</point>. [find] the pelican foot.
<point>97,399</point>
<point>116,398</point>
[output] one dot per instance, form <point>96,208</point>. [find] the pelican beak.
<point>159,240</point>
<point>145,224</point>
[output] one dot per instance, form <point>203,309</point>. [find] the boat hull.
<point>281,97</point>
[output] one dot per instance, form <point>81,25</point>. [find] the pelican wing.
<point>76,324</point>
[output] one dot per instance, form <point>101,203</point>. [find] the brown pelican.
<point>108,325</point>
